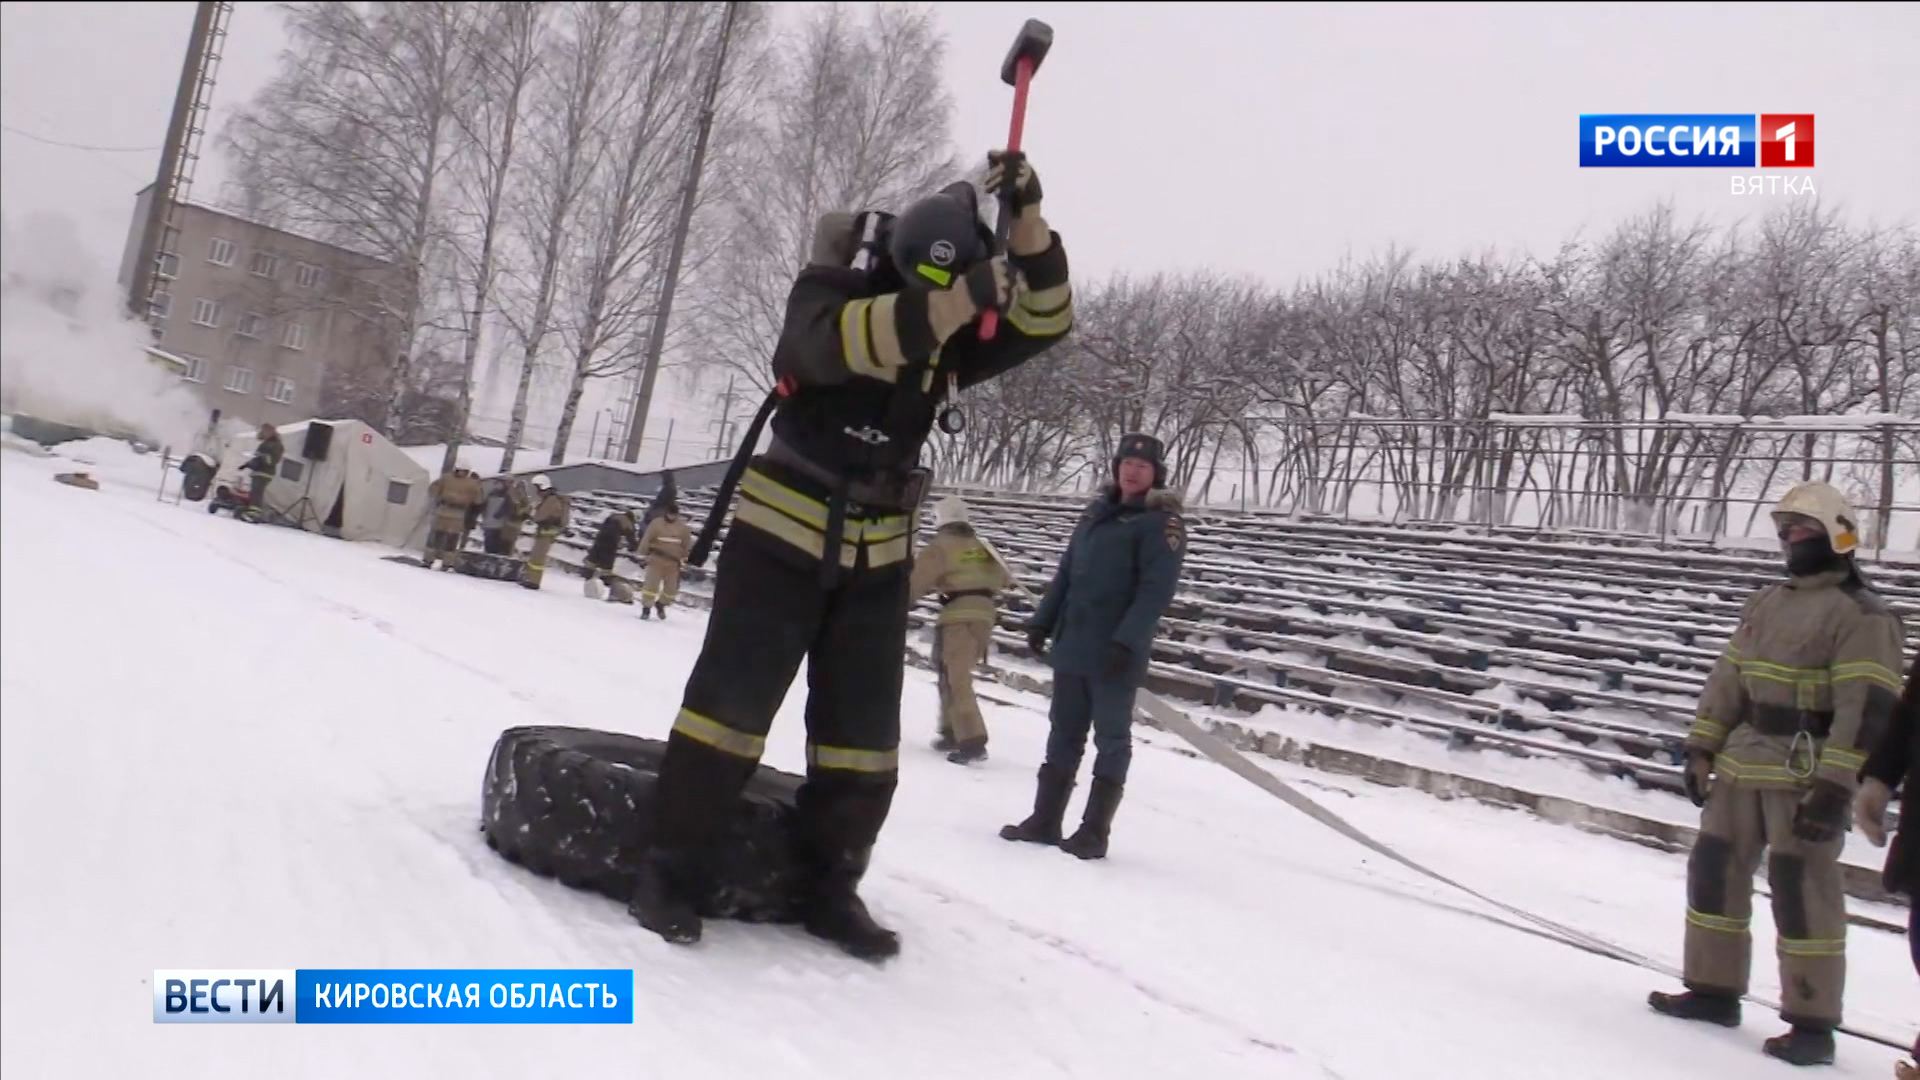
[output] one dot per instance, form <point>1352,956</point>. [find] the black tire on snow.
<point>575,804</point>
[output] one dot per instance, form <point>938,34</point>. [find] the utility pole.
<point>689,196</point>
<point>726,421</point>
<point>180,152</point>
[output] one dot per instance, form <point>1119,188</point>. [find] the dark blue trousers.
<point>1084,703</point>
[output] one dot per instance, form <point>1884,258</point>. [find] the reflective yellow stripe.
<point>840,757</point>
<point>1811,947</point>
<point>1719,924</point>
<point>1834,757</point>
<point>1043,312</point>
<point>869,340</point>
<point>813,541</point>
<point>1871,670</point>
<point>1754,772</point>
<point>702,729</point>
<point>1704,728</point>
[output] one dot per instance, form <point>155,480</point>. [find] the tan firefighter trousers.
<point>662,582</point>
<point>1739,825</point>
<point>536,567</point>
<point>958,646</point>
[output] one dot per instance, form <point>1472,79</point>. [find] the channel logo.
<point>1696,140</point>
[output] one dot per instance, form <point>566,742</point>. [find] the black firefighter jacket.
<point>616,532</point>
<point>1896,761</point>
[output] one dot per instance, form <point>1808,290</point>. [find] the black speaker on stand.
<point>314,448</point>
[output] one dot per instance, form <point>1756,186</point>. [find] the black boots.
<point>1704,1005</point>
<point>840,820</point>
<point>664,895</point>
<point>1802,1046</point>
<point>1089,841</point>
<point>1049,809</point>
<point>968,752</point>
<point>693,804</point>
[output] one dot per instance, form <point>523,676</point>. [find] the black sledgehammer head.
<point>1035,39</point>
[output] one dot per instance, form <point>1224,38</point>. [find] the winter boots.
<point>648,611</point>
<point>1089,841</point>
<point>966,753</point>
<point>1049,809</point>
<point>1803,1045</point>
<point>840,820</point>
<point>693,804</point>
<point>1703,1005</point>
<point>663,897</point>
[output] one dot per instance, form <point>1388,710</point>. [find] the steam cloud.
<point>68,350</point>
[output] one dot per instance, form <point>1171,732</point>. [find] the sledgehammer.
<point>1016,71</point>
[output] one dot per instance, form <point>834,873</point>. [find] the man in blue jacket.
<point>1101,610</point>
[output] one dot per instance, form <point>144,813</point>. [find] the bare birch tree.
<point>503,46</point>
<point>854,115</point>
<point>349,144</point>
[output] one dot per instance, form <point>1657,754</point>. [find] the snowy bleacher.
<point>1535,644</point>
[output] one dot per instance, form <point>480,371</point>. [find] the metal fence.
<point>1655,478</point>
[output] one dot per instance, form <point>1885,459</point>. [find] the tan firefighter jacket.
<point>1805,686</point>
<point>965,573</point>
<point>667,537</point>
<point>550,514</point>
<point>453,495</point>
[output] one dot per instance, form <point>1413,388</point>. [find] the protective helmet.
<point>541,483</point>
<point>951,510</point>
<point>1147,449</point>
<point>1822,504</point>
<point>940,237</point>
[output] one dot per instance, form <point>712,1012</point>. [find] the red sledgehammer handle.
<point>1031,47</point>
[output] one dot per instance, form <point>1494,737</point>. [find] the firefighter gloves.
<point>1026,183</point>
<point>1698,772</point>
<point>989,285</point>
<point>1822,812</point>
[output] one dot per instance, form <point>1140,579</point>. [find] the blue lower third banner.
<point>393,996</point>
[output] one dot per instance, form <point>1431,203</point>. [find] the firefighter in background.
<point>550,514</point>
<point>454,496</point>
<point>968,574</point>
<point>665,546</point>
<point>619,531</point>
<point>1790,711</point>
<point>505,514</point>
<point>261,468</point>
<point>879,329</point>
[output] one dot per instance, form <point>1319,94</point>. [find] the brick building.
<point>260,316</point>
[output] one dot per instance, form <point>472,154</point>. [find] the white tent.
<point>366,488</point>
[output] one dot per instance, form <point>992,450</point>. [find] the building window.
<point>161,305</point>
<point>280,390</point>
<point>264,264</point>
<point>397,492</point>
<point>206,312</point>
<point>169,266</point>
<point>295,336</point>
<point>221,251</point>
<point>240,380</point>
<point>309,276</point>
<point>196,369</point>
<point>251,324</point>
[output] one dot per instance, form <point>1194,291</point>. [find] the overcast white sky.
<point>1245,137</point>
<point>1262,139</point>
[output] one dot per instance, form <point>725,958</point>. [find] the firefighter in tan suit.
<point>550,513</point>
<point>1790,711</point>
<point>968,575</point>
<point>664,545</point>
<point>454,496</point>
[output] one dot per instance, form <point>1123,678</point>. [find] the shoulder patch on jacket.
<point>1176,532</point>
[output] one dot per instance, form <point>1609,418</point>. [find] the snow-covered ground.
<point>236,745</point>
